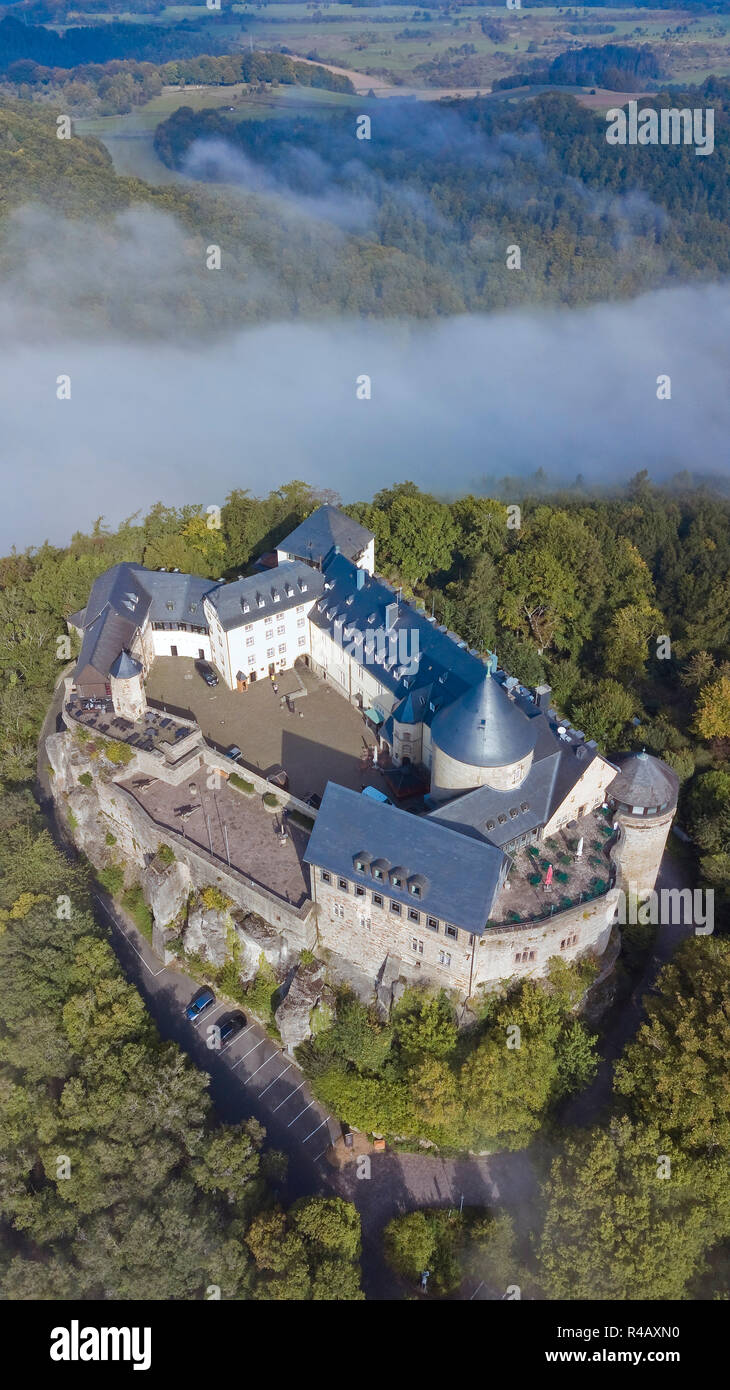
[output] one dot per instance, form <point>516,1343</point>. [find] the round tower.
<point>644,799</point>
<point>481,739</point>
<point>127,686</point>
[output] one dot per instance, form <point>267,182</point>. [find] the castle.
<point>393,894</point>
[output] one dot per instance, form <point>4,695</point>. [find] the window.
<point>377,900</point>
<point>365,922</point>
<point>451,931</point>
<point>377,873</point>
<point>300,609</point>
<point>413,916</point>
<point>415,890</point>
<point>444,958</point>
<point>252,661</point>
<point>339,910</point>
<point>568,941</point>
<point>250,641</point>
<point>248,627</point>
<point>359,891</point>
<point>326,878</point>
<point>343,884</point>
<point>281,629</point>
<point>302,642</point>
<point>396,881</point>
<point>270,651</point>
<point>301,622</point>
<point>269,634</point>
<point>395,907</point>
<point>282,647</point>
<point>417,946</point>
<point>433,923</point>
<point>521,957</point>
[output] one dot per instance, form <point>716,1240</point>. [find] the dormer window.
<point>246,606</point>
<point>260,600</point>
<point>276,595</point>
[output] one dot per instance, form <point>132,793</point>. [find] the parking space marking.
<point>315,1131</point>
<point>207,1017</point>
<point>286,1098</point>
<point>265,1063</point>
<point>276,1078</point>
<point>301,1112</point>
<point>250,1050</point>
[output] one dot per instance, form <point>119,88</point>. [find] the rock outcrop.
<point>258,939</point>
<point>306,993</point>
<point>168,890</point>
<point>206,934</point>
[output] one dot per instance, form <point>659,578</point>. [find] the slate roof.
<point>644,781</point>
<point>440,661</point>
<point>460,875</point>
<point>120,601</point>
<point>175,597</point>
<point>325,528</point>
<point>118,605</point>
<point>556,767</point>
<point>125,666</point>
<point>259,591</point>
<point>484,728</point>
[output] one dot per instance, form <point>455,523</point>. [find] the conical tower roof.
<point>125,666</point>
<point>644,781</point>
<point>484,728</point>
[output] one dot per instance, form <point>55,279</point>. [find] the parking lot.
<point>316,738</point>
<point>256,1062</point>
<point>250,1075</point>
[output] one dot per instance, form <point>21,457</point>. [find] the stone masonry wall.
<point>365,934</point>
<point>106,806</point>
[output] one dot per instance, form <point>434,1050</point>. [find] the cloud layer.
<point>452,401</point>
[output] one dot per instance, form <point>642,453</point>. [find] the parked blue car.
<point>200,1003</point>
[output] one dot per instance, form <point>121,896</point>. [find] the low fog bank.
<point>570,391</point>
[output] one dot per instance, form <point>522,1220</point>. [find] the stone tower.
<point>126,677</point>
<point>644,799</point>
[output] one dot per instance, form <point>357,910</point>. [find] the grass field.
<point>129,138</point>
<point>396,42</point>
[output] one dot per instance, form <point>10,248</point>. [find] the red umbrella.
<point>549,876</point>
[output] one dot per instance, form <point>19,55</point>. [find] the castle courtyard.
<point>315,736</point>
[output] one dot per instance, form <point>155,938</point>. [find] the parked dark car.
<point>199,1004</point>
<point>230,1026</point>
<point>207,672</point>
